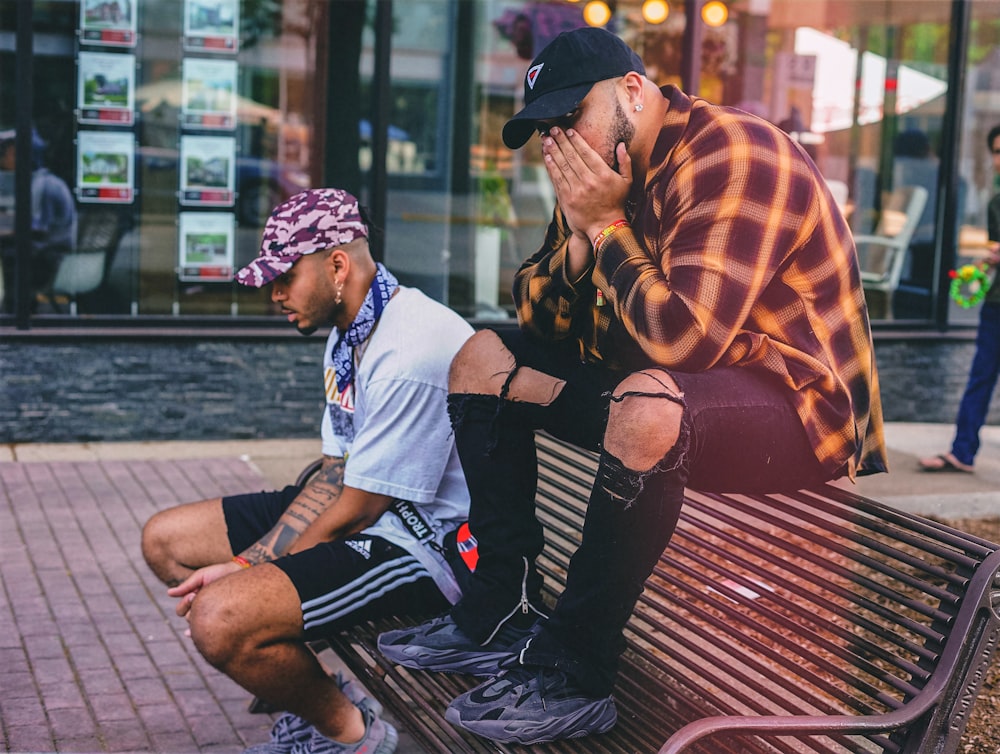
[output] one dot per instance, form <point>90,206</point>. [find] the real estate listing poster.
<point>106,88</point>
<point>211,25</point>
<point>208,97</point>
<point>208,170</point>
<point>110,23</point>
<point>105,166</point>
<point>206,246</point>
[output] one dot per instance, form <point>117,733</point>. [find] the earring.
<point>638,108</point>
<point>339,298</point>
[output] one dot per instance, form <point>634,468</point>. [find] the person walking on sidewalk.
<point>696,315</point>
<point>259,575</point>
<point>975,403</point>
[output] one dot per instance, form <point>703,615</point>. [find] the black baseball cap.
<point>563,73</point>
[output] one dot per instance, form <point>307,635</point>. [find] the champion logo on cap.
<point>533,74</point>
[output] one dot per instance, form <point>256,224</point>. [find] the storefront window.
<point>863,87</point>
<point>176,125</point>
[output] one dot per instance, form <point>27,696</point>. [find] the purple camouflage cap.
<point>311,221</point>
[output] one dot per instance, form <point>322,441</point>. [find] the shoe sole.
<point>482,665</point>
<point>599,717</point>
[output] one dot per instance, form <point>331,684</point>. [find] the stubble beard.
<point>622,131</point>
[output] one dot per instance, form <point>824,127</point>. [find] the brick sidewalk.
<point>92,656</point>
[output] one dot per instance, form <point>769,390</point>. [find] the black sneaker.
<point>530,705</point>
<point>440,645</point>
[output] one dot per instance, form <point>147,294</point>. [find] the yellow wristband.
<point>602,236</point>
<point>241,561</point>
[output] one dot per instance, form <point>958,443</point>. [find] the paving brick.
<point>195,701</point>
<point>54,670</point>
<point>92,657</point>
<point>125,736</point>
<point>26,710</point>
<point>172,654</point>
<point>17,684</point>
<point>74,724</point>
<point>40,646</point>
<point>131,666</point>
<point>148,691</point>
<point>224,688</point>
<point>161,718</point>
<point>30,610</point>
<point>80,744</point>
<point>173,742</point>
<point>101,681</point>
<point>10,636</point>
<point>77,634</point>
<point>212,731</point>
<point>182,680</point>
<point>29,738</point>
<point>112,707</point>
<point>123,642</point>
<point>60,695</point>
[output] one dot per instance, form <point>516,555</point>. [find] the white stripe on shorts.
<point>355,594</point>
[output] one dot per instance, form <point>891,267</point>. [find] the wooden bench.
<point>819,621</point>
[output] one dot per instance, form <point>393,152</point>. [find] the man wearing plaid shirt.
<point>695,313</point>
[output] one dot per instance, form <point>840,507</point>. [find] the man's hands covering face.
<point>591,194</point>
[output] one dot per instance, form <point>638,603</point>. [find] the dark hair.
<point>374,232</point>
<point>992,136</point>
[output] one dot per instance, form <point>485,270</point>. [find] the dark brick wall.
<point>151,387</point>
<point>97,389</point>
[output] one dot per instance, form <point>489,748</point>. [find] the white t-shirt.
<point>398,439</point>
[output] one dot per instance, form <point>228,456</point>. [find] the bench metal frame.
<point>819,621</point>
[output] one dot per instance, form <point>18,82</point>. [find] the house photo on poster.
<point>211,25</point>
<point>108,22</point>
<point>106,88</point>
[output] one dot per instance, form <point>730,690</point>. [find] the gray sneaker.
<point>529,705</point>
<point>354,691</point>
<point>440,645</point>
<point>287,730</point>
<point>379,738</point>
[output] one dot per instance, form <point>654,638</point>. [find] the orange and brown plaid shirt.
<point>738,256</point>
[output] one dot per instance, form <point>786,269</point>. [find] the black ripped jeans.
<point>739,432</point>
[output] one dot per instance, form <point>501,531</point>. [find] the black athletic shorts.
<point>343,583</point>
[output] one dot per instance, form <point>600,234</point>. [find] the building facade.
<point>167,129</point>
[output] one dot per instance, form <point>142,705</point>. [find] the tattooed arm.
<point>321,491</point>
<point>323,511</point>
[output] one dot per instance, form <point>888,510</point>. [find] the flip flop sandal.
<point>946,465</point>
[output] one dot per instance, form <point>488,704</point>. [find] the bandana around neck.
<point>383,286</point>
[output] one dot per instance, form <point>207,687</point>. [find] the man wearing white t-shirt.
<point>259,575</point>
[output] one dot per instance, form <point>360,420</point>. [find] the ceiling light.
<point>655,11</point>
<point>714,13</point>
<point>596,13</point>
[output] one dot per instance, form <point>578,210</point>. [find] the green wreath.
<point>969,284</point>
